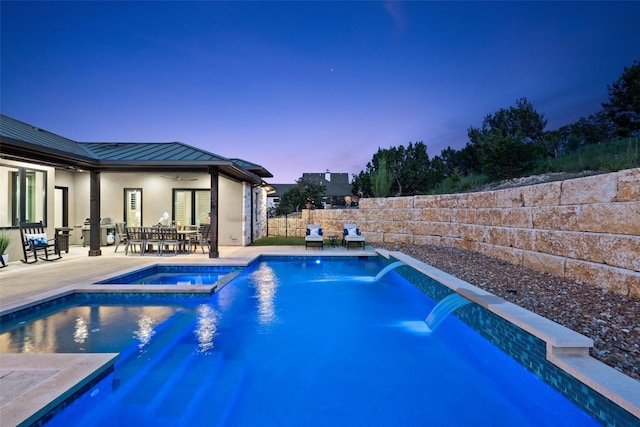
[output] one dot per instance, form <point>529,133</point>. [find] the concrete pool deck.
<point>21,285</point>
<point>32,384</point>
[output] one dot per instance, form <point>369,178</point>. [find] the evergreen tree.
<point>623,107</point>
<point>510,140</point>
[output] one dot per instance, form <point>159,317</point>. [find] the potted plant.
<point>4,243</point>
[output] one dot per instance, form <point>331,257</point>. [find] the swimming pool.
<point>307,342</point>
<point>173,275</point>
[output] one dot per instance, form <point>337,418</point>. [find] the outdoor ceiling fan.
<point>178,178</point>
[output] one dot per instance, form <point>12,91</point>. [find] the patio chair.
<point>170,238</point>
<point>35,241</point>
<point>121,234</point>
<point>351,234</point>
<point>314,235</point>
<point>202,238</point>
<point>135,238</point>
<point>152,239</point>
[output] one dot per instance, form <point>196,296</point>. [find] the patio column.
<point>94,213</point>
<point>213,212</point>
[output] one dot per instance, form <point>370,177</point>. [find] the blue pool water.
<point>293,342</point>
<point>173,275</point>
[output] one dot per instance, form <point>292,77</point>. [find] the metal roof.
<point>149,151</point>
<point>257,169</point>
<point>20,131</point>
<point>24,142</point>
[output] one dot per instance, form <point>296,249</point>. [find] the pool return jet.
<point>437,315</point>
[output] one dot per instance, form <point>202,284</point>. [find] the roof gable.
<point>338,185</point>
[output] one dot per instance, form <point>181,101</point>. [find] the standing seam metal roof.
<point>15,129</point>
<point>22,139</point>
<point>149,151</point>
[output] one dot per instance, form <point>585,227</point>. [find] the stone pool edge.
<point>566,349</point>
<point>41,382</point>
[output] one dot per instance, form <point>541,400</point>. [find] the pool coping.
<point>567,349</point>
<point>40,382</point>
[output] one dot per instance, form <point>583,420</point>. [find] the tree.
<point>508,156</point>
<point>297,197</point>
<point>623,107</point>
<point>397,171</point>
<point>361,184</point>
<point>381,179</point>
<point>510,140</point>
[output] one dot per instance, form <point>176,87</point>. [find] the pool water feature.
<point>174,275</point>
<point>296,342</point>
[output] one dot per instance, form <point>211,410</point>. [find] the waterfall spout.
<point>445,307</point>
<point>387,269</point>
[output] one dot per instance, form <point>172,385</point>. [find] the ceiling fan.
<point>178,178</point>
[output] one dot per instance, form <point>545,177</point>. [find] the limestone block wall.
<point>585,228</point>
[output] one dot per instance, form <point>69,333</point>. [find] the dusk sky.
<point>305,86</point>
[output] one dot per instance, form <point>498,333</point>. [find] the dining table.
<point>188,235</point>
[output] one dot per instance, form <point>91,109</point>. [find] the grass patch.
<point>279,241</point>
<point>603,158</point>
<point>460,184</point>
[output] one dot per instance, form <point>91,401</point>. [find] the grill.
<point>107,232</point>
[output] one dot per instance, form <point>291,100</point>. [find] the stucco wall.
<point>586,228</point>
<point>234,220</point>
<point>15,248</point>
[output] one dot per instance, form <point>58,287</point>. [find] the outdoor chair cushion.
<point>314,232</point>
<point>37,240</point>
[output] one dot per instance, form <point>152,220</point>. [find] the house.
<point>337,189</point>
<point>65,183</point>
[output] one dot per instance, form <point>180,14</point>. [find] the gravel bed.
<point>611,320</point>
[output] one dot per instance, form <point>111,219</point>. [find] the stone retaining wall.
<point>585,228</point>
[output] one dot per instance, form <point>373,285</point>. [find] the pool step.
<point>218,394</point>
<point>175,392</point>
<point>158,380</point>
<point>138,367</point>
<point>135,366</point>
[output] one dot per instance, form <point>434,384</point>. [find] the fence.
<point>285,225</point>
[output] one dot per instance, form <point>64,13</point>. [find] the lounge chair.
<point>351,234</point>
<point>314,235</point>
<point>35,241</point>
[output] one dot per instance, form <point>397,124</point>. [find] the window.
<point>133,207</point>
<point>25,195</point>
<point>191,207</point>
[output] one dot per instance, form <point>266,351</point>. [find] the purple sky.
<point>305,86</point>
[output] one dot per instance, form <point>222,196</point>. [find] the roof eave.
<point>22,151</point>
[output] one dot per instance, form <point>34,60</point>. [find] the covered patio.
<point>98,180</point>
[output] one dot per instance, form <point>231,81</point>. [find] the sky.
<point>305,86</point>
